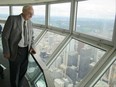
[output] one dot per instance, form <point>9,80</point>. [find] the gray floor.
<point>5,82</point>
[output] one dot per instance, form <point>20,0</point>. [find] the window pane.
<point>39,14</point>
<point>47,45</point>
<point>16,10</point>
<point>36,32</point>
<point>60,15</point>
<point>41,82</point>
<point>96,18</point>
<point>33,69</point>
<point>74,63</point>
<point>109,78</point>
<point>4,12</point>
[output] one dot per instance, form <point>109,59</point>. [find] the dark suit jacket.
<point>12,35</point>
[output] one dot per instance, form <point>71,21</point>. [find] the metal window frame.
<point>96,71</point>
<point>42,72</point>
<point>102,69</point>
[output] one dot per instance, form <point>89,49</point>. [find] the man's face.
<point>28,13</point>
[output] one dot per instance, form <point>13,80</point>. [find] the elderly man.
<point>17,40</point>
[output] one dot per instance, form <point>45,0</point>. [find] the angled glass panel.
<point>109,78</point>
<point>4,12</point>
<point>36,32</point>
<point>41,82</point>
<point>74,63</point>
<point>17,10</point>
<point>33,69</point>
<point>47,45</point>
<point>39,14</point>
<point>60,15</point>
<point>96,18</point>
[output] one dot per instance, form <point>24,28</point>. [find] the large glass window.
<point>74,63</point>
<point>109,78</point>
<point>47,45</point>
<point>16,10</point>
<point>96,18</point>
<point>4,12</point>
<point>33,69</point>
<point>39,14</point>
<point>60,15</point>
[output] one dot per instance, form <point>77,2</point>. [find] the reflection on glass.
<point>41,82</point>
<point>33,69</point>
<point>47,45</point>
<point>96,18</point>
<point>39,14</point>
<point>4,12</point>
<point>74,63</point>
<point>36,32</point>
<point>60,15</point>
<point>109,78</point>
<point>16,10</point>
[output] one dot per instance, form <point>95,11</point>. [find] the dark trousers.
<point>18,67</point>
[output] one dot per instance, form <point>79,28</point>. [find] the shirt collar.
<point>23,19</point>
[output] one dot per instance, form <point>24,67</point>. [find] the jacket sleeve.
<point>32,38</point>
<point>6,34</point>
<point>32,42</point>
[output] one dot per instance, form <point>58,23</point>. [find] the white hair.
<point>26,7</point>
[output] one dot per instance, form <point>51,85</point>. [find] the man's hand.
<point>32,51</point>
<point>7,55</point>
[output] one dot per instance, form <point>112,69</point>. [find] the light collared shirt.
<point>21,42</point>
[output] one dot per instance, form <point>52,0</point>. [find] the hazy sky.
<point>89,8</point>
<point>38,10</point>
<point>97,8</point>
